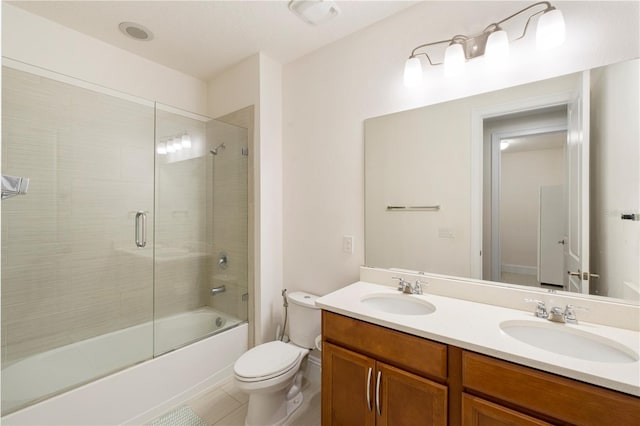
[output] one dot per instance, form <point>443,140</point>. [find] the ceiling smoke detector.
<point>314,12</point>
<point>135,31</point>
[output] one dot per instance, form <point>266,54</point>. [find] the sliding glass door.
<point>77,265</point>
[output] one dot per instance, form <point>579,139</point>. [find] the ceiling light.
<point>314,12</point>
<point>135,31</point>
<point>492,41</point>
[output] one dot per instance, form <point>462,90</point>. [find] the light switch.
<point>347,244</point>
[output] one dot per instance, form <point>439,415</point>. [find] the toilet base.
<point>273,409</point>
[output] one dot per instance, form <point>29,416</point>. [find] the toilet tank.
<point>304,318</point>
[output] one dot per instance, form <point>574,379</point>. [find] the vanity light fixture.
<point>162,148</point>
<point>492,42</point>
<point>177,143</point>
<point>174,144</point>
<point>186,140</point>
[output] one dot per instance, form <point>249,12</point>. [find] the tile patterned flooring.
<point>225,405</point>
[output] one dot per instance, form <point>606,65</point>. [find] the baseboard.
<point>519,269</point>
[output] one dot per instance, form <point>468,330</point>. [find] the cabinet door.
<point>403,398</point>
<point>347,387</point>
<point>478,412</point>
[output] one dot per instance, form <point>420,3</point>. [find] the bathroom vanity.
<point>451,366</point>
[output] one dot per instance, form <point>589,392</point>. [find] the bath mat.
<point>182,416</point>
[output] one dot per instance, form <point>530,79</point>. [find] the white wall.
<point>38,41</point>
<point>329,93</point>
<point>257,81</point>
<point>615,177</point>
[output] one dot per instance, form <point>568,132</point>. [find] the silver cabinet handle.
<point>378,393</point>
<point>369,389</point>
<point>141,229</point>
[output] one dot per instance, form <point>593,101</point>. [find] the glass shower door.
<point>77,279</point>
<point>201,227</point>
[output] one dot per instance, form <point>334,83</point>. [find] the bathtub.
<point>154,383</point>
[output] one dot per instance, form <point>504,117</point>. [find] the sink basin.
<point>398,304</point>
<point>568,341</point>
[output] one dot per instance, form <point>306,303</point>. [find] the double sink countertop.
<point>484,329</point>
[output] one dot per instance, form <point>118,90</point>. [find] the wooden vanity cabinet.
<point>423,382</point>
<point>537,394</point>
<point>372,375</point>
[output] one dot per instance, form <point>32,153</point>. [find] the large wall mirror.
<point>535,185</point>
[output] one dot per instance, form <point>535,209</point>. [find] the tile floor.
<point>225,405</point>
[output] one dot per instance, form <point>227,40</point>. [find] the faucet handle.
<point>418,286</point>
<point>570,314</point>
<point>541,308</point>
<point>401,282</point>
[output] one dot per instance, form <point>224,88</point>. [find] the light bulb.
<point>413,72</point>
<point>497,50</point>
<point>170,147</point>
<point>186,140</point>
<point>454,60</point>
<point>504,145</point>
<point>162,148</point>
<point>177,144</point>
<point>550,31</point>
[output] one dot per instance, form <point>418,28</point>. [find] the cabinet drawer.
<point>478,412</point>
<point>559,398</point>
<point>411,353</point>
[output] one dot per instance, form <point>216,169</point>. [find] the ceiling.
<point>202,38</point>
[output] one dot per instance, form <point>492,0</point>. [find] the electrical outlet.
<point>347,244</point>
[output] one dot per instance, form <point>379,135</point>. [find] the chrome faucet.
<point>556,313</point>
<point>407,288</point>
<point>541,308</point>
<point>568,315</point>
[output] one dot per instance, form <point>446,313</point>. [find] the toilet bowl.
<point>270,372</point>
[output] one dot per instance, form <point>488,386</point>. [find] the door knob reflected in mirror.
<point>583,275</point>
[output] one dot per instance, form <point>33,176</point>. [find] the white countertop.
<point>476,327</point>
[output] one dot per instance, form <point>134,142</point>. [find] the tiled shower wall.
<point>228,209</point>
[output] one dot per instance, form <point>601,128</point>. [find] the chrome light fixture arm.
<point>493,41</point>
<point>414,54</point>
<point>548,8</point>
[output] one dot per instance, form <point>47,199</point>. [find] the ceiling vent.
<point>314,12</point>
<point>135,31</point>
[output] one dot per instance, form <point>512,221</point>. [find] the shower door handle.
<point>141,229</point>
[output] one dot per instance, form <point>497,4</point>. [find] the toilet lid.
<point>267,359</point>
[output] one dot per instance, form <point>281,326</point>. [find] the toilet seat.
<point>267,361</point>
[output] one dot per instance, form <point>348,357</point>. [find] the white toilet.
<point>270,374</point>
